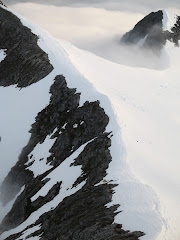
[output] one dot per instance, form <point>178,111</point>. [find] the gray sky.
<point>140,6</point>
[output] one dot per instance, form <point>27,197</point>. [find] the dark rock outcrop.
<point>83,214</point>
<point>76,217</point>
<point>150,28</point>
<point>61,110</point>
<point>26,62</point>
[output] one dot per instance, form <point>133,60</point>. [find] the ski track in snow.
<point>140,205</point>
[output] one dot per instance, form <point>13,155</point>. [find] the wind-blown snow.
<point>169,20</point>
<point>2,54</point>
<point>142,41</point>
<point>146,104</point>
<point>7,208</point>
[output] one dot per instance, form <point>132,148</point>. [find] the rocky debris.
<point>25,63</point>
<point>150,29</point>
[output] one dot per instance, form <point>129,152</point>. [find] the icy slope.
<point>147,106</point>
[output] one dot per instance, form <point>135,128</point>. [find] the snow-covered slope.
<point>147,106</point>
<point>88,152</point>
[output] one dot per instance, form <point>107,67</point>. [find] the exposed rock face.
<point>150,30</point>
<point>83,214</point>
<point>32,64</point>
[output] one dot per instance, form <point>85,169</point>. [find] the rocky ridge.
<point>82,214</point>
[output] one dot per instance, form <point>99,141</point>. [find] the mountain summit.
<point>154,30</point>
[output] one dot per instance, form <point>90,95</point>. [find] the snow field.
<point>147,106</point>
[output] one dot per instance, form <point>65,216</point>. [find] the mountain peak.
<point>154,30</point>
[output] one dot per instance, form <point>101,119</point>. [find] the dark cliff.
<point>150,28</point>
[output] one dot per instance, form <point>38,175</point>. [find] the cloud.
<point>138,6</point>
<point>95,29</point>
<point>84,27</point>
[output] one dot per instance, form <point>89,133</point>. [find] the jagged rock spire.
<point>150,33</point>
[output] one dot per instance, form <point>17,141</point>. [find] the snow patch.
<point>64,126</point>
<point>2,54</point>
<point>168,21</point>
<point>64,172</point>
<point>30,231</point>
<point>39,157</point>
